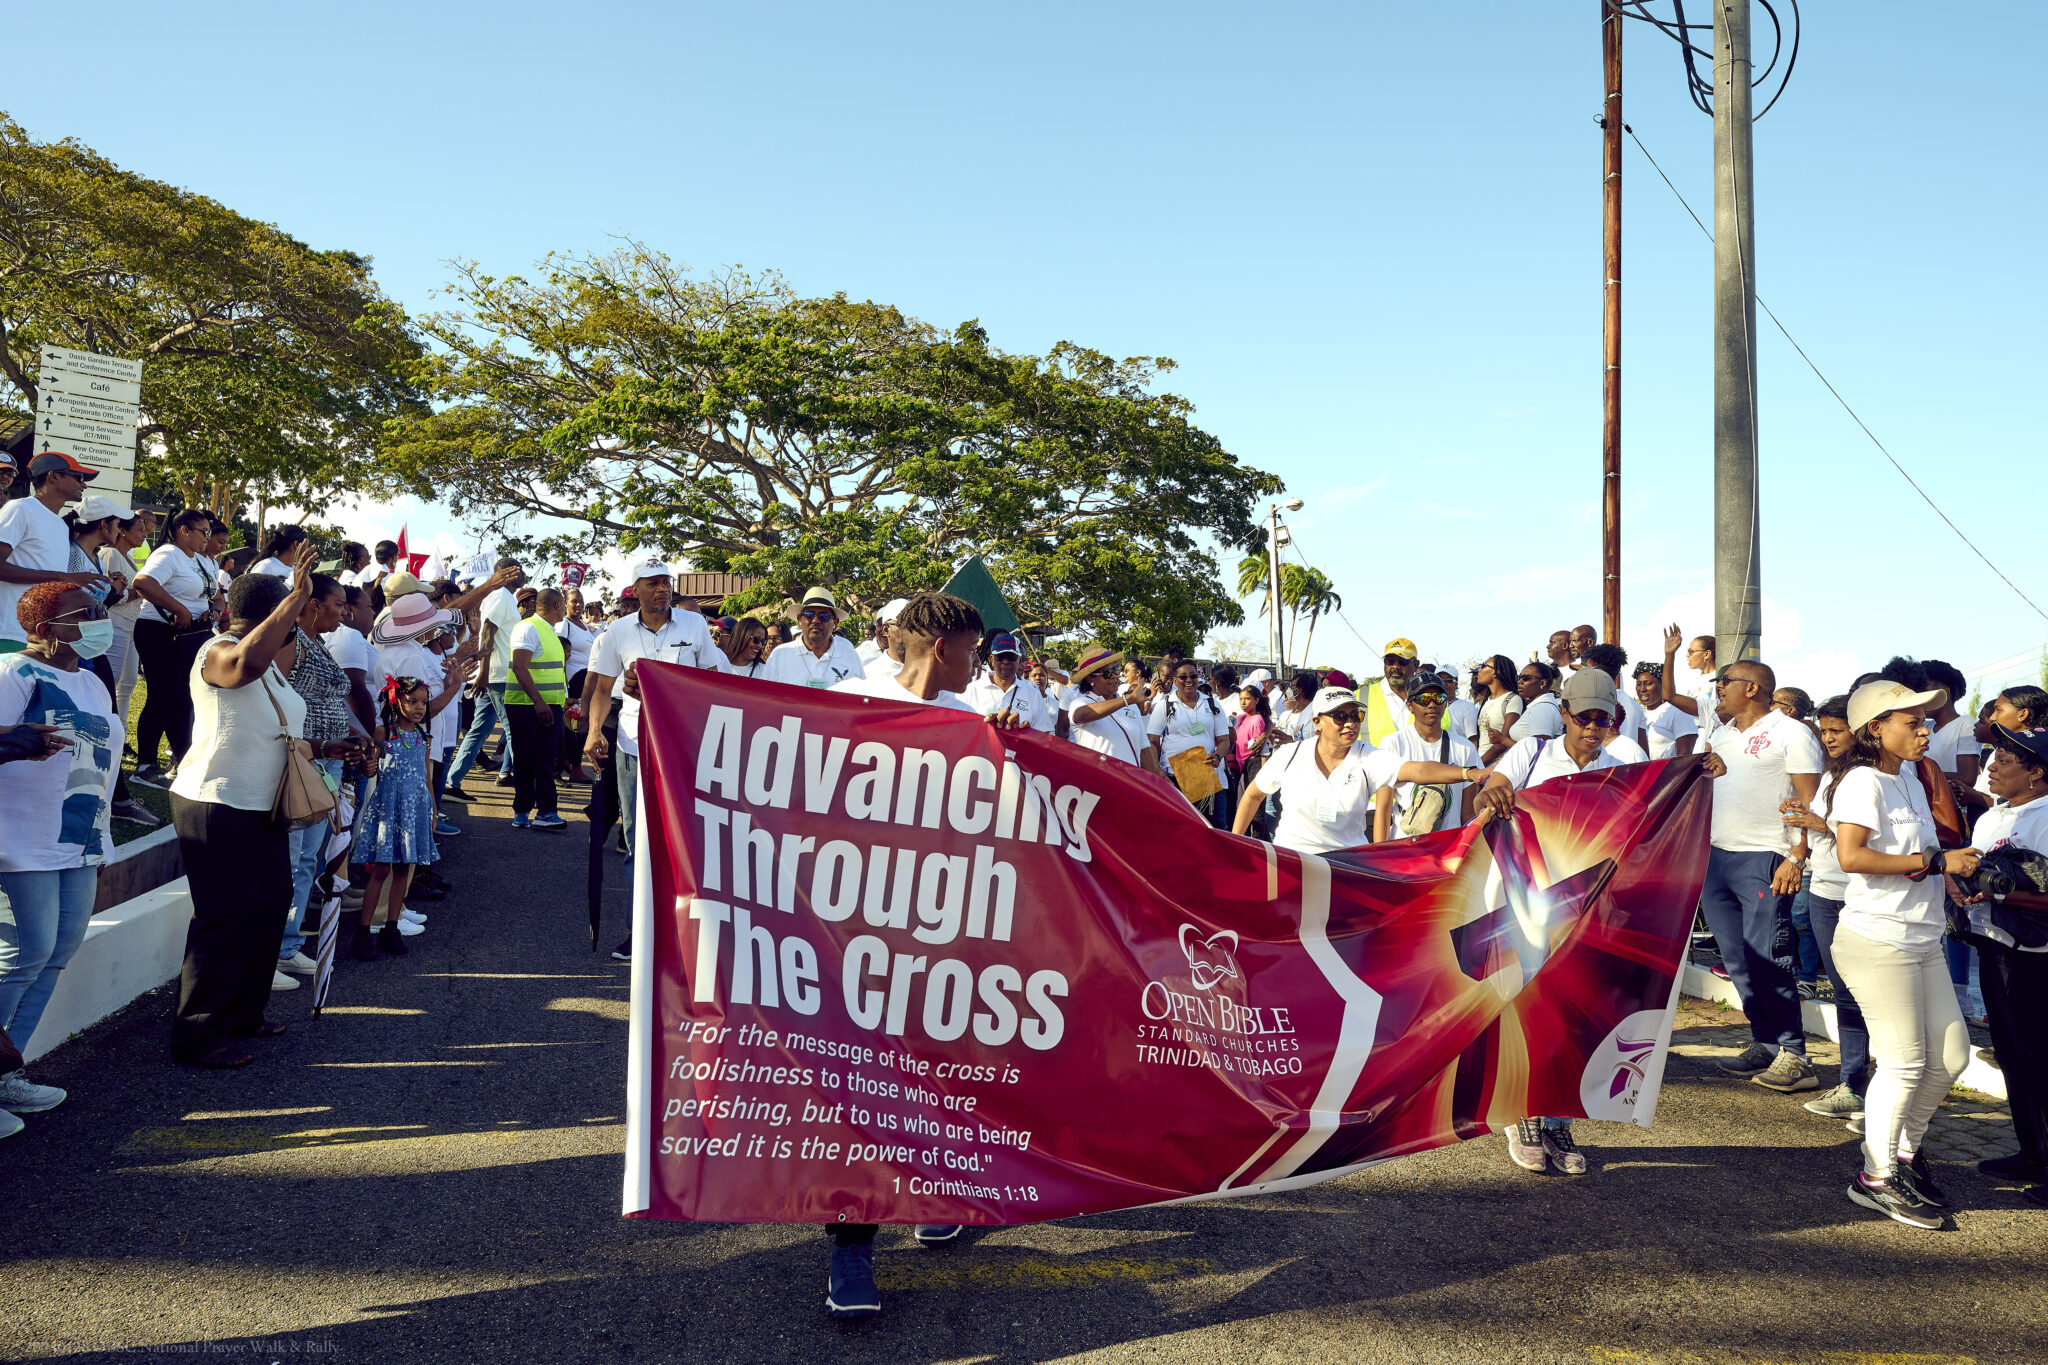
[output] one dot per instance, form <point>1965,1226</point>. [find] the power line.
<point>1838,395</point>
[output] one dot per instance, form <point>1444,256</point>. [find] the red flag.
<point>894,965</point>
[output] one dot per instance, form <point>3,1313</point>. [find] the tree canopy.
<point>269,367</point>
<point>823,440</point>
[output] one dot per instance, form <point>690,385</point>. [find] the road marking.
<point>1032,1272</point>
<point>523,976</point>
<point>367,1065</point>
<point>364,1009</point>
<point>1610,1355</point>
<point>579,1042</point>
<point>198,1114</point>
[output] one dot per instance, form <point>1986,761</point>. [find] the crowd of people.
<point>1849,844</point>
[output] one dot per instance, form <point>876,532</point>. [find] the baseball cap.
<point>1400,648</point>
<point>893,610</point>
<point>56,462</point>
<point>1330,699</point>
<point>650,567</point>
<point>98,507</point>
<point>2032,743</point>
<point>1589,689</point>
<point>1873,699</point>
<point>1427,682</point>
<point>1337,677</point>
<point>1003,643</point>
<point>1259,678</point>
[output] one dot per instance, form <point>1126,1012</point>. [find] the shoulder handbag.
<point>303,796</point>
<point>1427,805</point>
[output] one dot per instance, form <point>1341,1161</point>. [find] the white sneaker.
<point>280,982</point>
<point>412,916</point>
<point>409,928</point>
<point>298,964</point>
<point>20,1095</point>
<point>9,1125</point>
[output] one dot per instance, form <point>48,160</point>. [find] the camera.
<point>2006,870</point>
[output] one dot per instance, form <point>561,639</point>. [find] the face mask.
<point>94,639</point>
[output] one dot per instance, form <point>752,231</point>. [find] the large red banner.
<point>893,965</point>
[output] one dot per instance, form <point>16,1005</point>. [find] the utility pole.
<point>1273,634</point>
<point>1738,596</point>
<point>1610,424</point>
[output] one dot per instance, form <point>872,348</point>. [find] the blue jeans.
<point>306,847</point>
<point>490,712</point>
<point>1806,952</point>
<point>1848,1015</point>
<point>1962,972</point>
<point>1742,910</point>
<point>43,918</point>
<point>629,807</point>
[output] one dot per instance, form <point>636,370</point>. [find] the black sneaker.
<point>932,1234</point>
<point>1880,1197</point>
<point>850,1289</point>
<point>362,944</point>
<point>1753,1059</point>
<point>456,794</point>
<point>2018,1166</point>
<point>1918,1178</point>
<point>391,941</point>
<point>624,952</point>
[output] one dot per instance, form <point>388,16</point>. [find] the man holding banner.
<point>902,966</point>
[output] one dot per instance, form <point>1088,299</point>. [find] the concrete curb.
<point>1819,1018</point>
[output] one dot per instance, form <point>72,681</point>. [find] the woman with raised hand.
<point>1888,943</point>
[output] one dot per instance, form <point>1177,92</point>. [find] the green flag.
<point>971,582</point>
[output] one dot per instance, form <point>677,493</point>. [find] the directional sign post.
<point>86,407</point>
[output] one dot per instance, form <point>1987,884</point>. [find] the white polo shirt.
<point>1120,734</point>
<point>796,665</point>
<point>1323,811</point>
<point>1761,763</point>
<point>683,639</point>
<point>1537,759</point>
<point>987,697</point>
<point>1179,726</point>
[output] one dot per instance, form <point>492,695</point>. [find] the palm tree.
<point>1308,592</point>
<point>1254,577</point>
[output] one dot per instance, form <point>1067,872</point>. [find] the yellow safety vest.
<point>1379,719</point>
<point>547,668</point>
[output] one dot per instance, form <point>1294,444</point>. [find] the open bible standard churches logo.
<point>1211,960</point>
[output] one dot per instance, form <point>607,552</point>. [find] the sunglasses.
<point>1186,677</point>
<point>1529,677</point>
<point>1592,720</point>
<point>1427,699</point>
<point>1342,717</point>
<point>816,614</point>
<point>92,613</point>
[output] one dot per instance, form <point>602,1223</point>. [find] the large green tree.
<point>822,440</point>
<point>270,368</point>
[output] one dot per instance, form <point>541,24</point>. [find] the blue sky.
<point>1368,234</point>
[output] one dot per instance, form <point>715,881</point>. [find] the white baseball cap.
<point>1874,699</point>
<point>650,567</point>
<point>1330,699</point>
<point>1259,678</point>
<point>894,609</point>
<point>98,507</point>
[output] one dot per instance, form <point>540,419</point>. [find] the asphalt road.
<point>431,1172</point>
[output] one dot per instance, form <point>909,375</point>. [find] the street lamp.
<point>1273,583</point>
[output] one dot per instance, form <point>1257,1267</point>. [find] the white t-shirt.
<point>1542,716</point>
<point>882,667</point>
<point>869,651</point>
<point>1289,722</point>
<point>183,577</point>
<point>350,648</point>
<point>1625,750</point>
<point>501,609</point>
<point>120,571</point>
<point>1761,761</point>
<point>1048,710</point>
<point>1537,759</point>
<point>2021,826</point>
<point>1892,908</point>
<point>1829,881</point>
<point>1704,697</point>
<point>1120,734</point>
<point>1320,812</point>
<point>796,665</point>
<point>39,539</point>
<point>1953,740</point>
<point>1666,726</point>
<point>1633,723</point>
<point>1408,745</point>
<point>273,566</point>
<point>683,639</point>
<point>53,811</point>
<point>987,697</point>
<point>1461,717</point>
<point>1201,726</point>
<point>577,640</point>
<point>1499,714</point>
<point>891,689</point>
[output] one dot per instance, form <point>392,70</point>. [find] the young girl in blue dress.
<point>395,828</point>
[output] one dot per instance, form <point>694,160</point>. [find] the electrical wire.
<point>1837,393</point>
<point>1700,89</point>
